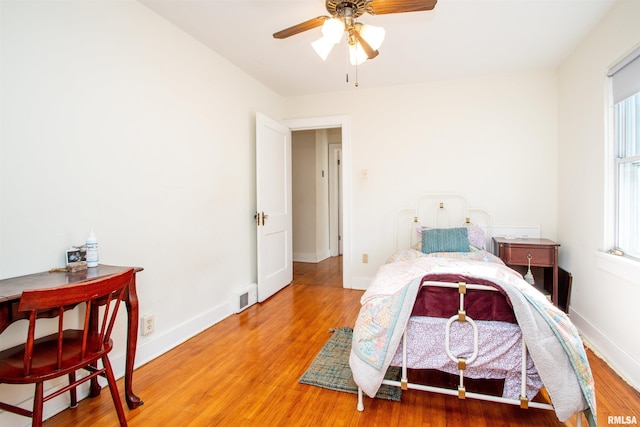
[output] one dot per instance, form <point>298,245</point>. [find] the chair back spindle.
<point>67,350</point>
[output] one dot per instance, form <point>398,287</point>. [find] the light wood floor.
<point>244,371</point>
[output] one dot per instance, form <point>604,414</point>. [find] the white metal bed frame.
<point>439,210</point>
<point>438,204</point>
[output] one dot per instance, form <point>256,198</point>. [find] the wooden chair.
<point>65,352</point>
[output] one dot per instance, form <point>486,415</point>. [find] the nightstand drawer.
<point>541,257</point>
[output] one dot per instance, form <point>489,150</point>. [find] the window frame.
<point>617,162</point>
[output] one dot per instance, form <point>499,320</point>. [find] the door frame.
<point>344,123</point>
<point>335,199</point>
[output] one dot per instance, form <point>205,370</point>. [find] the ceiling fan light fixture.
<point>363,40</point>
<point>372,34</point>
<point>322,47</point>
<point>332,30</point>
<point>357,54</point>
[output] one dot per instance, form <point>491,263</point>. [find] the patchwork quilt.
<point>552,340</point>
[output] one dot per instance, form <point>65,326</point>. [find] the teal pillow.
<point>445,240</point>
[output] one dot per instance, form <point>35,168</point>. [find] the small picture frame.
<point>76,255</point>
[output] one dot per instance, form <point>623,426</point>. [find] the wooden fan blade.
<point>382,7</point>
<point>302,27</point>
<point>365,46</point>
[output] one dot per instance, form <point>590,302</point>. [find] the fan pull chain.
<point>347,74</point>
<point>346,64</point>
<point>347,77</point>
<point>357,84</point>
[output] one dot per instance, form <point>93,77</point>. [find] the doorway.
<point>343,123</point>
<point>316,194</point>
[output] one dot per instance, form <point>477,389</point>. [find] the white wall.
<point>606,291</point>
<point>492,138</point>
<point>322,194</point>
<point>303,195</point>
<point>310,195</point>
<point>113,119</point>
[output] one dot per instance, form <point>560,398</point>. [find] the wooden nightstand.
<point>542,252</point>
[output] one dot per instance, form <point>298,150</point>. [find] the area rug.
<point>330,369</point>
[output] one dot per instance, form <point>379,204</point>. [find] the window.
<point>626,133</point>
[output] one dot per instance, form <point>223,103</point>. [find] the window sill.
<point>625,268</point>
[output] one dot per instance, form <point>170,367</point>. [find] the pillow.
<point>476,237</point>
<point>445,240</point>
<point>474,233</point>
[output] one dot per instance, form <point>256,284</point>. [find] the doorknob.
<point>260,217</point>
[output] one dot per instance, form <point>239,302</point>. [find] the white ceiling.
<point>459,38</point>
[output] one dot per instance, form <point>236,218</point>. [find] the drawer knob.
<point>529,276</point>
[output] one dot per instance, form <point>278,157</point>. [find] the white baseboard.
<point>359,282</point>
<point>311,257</point>
<point>149,348</point>
<point>620,361</point>
<point>152,346</point>
<point>305,257</point>
<point>51,407</point>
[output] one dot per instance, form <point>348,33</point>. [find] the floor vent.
<point>247,297</point>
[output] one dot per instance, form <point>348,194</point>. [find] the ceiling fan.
<point>363,40</point>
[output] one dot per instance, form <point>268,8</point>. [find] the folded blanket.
<point>552,340</point>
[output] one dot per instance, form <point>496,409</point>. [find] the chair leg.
<point>72,392</point>
<point>38,402</point>
<point>113,388</point>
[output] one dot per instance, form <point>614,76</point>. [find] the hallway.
<point>324,273</point>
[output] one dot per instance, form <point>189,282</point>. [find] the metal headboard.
<point>438,210</point>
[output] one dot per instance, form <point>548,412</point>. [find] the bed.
<point>443,301</point>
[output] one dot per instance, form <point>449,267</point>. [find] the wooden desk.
<point>11,291</point>
<point>540,252</point>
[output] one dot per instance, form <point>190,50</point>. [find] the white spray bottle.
<point>92,250</point>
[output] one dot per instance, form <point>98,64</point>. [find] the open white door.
<point>273,204</point>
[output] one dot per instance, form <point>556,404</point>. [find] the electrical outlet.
<point>365,258</point>
<point>147,324</point>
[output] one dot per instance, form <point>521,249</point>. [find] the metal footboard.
<point>463,362</point>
